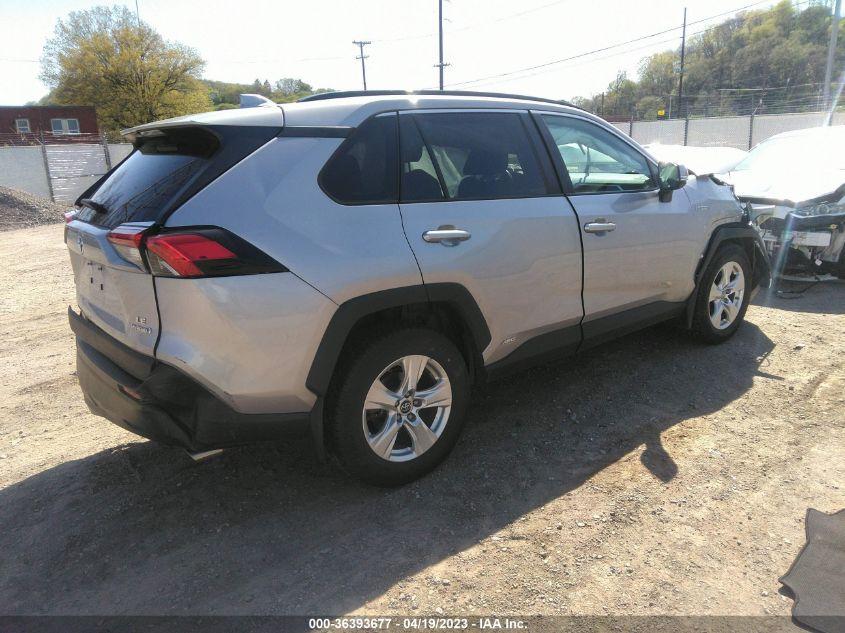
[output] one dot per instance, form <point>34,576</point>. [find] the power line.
<point>469,27</point>
<point>616,54</point>
<point>606,48</point>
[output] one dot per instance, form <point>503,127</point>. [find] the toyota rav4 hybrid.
<point>350,265</point>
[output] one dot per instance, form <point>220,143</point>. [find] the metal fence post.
<point>105,143</point>
<point>46,167</point>
<point>686,129</point>
<point>750,131</point>
<point>631,127</point>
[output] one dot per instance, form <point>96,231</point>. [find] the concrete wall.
<point>72,167</point>
<point>22,168</point>
<point>736,131</point>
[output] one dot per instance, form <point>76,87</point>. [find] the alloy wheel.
<point>407,408</point>
<point>726,294</point>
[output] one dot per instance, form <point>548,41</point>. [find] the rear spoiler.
<point>250,116</point>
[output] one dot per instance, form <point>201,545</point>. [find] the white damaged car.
<point>795,184</point>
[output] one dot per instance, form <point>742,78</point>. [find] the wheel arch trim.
<point>352,311</point>
<point>737,232</point>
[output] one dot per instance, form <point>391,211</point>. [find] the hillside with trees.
<point>770,60</point>
<point>225,95</point>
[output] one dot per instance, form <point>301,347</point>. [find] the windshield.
<point>789,152</point>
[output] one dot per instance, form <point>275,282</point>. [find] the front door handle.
<point>599,227</point>
<point>447,237</point>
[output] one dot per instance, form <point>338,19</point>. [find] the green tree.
<point>766,60</point>
<point>105,58</point>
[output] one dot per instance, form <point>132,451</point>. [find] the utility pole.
<point>361,44</point>
<point>440,65</point>
<point>831,52</point>
<point>681,108</point>
<point>137,14</point>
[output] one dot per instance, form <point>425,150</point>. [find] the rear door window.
<point>420,181</point>
<point>363,170</point>
<point>481,155</point>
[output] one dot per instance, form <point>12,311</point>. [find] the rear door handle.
<point>599,227</point>
<point>447,237</point>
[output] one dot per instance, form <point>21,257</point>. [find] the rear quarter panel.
<point>250,339</point>
<point>272,200</point>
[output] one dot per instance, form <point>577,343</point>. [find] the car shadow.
<point>267,530</point>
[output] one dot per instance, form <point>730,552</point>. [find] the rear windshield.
<point>154,173</point>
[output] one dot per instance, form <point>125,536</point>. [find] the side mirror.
<point>672,177</point>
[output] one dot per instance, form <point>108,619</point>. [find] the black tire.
<point>361,367</point>
<point>702,327</point>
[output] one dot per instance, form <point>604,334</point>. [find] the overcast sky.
<point>312,40</point>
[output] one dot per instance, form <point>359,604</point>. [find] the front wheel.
<point>400,406</point>
<point>723,295</point>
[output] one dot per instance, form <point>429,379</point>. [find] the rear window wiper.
<point>91,204</point>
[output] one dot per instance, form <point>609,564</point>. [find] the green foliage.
<point>781,51</point>
<point>104,57</point>
<point>283,90</point>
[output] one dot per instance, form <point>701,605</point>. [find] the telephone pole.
<point>681,108</point>
<point>361,44</point>
<point>831,52</point>
<point>441,65</point>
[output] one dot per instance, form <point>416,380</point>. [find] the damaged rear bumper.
<point>158,402</point>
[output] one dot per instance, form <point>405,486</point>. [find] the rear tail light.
<point>199,252</point>
<point>127,240</point>
<point>70,216</point>
<point>188,255</point>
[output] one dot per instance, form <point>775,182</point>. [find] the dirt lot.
<point>654,476</point>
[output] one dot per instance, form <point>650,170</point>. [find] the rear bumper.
<point>159,402</point>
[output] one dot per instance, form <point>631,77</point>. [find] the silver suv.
<point>350,265</point>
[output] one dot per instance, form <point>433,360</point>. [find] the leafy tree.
<point>281,91</point>
<point>105,58</point>
<point>289,86</point>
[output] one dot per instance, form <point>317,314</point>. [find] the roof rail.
<point>340,94</point>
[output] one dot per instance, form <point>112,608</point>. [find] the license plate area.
<point>807,238</point>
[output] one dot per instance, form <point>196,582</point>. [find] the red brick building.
<point>57,122</point>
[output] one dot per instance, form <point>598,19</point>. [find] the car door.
<point>481,207</point>
<point>640,252</point>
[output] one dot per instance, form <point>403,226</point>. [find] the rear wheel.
<point>723,295</point>
<point>400,406</point>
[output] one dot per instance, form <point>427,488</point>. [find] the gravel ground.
<point>20,210</point>
<point>652,476</point>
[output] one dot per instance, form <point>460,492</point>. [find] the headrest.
<point>411,150</point>
<point>485,162</point>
